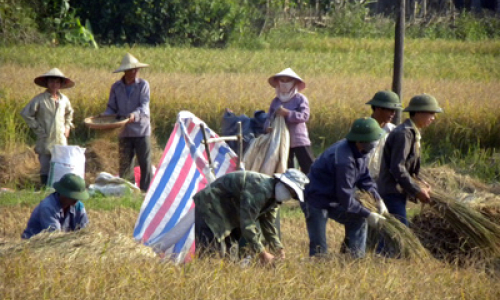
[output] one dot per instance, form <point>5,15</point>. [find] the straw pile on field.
<point>19,168</point>
<point>84,245</point>
<point>455,230</point>
<point>399,240</point>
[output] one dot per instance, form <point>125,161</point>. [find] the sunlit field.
<point>341,76</point>
<point>100,263</point>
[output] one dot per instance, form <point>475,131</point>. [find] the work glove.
<point>374,218</point>
<point>382,209</point>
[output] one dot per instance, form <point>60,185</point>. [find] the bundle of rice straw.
<point>399,240</point>
<point>473,230</point>
<point>83,244</point>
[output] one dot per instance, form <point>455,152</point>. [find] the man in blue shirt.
<point>334,177</point>
<point>61,210</point>
<point>129,97</point>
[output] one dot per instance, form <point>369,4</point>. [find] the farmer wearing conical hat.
<point>50,116</point>
<point>334,177</point>
<point>61,210</point>
<point>129,98</point>
<point>231,207</point>
<point>401,157</point>
<point>294,107</point>
<point>384,105</point>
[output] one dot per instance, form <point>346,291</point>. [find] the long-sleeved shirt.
<point>335,175</point>
<point>49,119</point>
<point>137,102</point>
<point>296,120</point>
<point>50,216</point>
<point>375,156</point>
<point>240,200</point>
<point>400,161</point>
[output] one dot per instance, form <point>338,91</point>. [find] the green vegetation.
<point>222,23</point>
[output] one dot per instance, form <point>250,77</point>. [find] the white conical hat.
<point>288,72</point>
<point>130,62</point>
<point>55,72</point>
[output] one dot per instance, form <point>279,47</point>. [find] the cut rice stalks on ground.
<point>81,244</point>
<point>399,240</point>
<point>454,231</point>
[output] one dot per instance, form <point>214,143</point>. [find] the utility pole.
<point>399,44</point>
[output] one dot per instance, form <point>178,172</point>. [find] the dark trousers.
<point>396,205</point>
<point>305,157</point>
<point>207,244</point>
<point>355,228</point>
<point>128,148</point>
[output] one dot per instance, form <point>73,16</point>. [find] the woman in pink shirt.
<point>294,107</point>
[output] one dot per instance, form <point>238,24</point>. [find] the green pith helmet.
<point>364,130</point>
<point>72,186</point>
<point>386,99</point>
<point>423,103</point>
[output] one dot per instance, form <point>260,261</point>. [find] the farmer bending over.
<point>230,208</point>
<point>334,177</point>
<point>62,209</point>
<point>50,116</point>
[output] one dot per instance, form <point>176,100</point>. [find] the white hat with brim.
<point>129,62</point>
<point>54,73</point>
<point>288,72</point>
<point>294,179</point>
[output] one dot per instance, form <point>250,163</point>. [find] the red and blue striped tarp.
<point>166,219</point>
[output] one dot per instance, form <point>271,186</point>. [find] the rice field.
<point>341,75</point>
<point>103,263</point>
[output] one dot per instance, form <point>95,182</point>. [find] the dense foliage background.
<point>219,23</point>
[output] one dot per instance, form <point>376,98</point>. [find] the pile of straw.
<point>84,244</point>
<point>399,240</point>
<point>455,231</point>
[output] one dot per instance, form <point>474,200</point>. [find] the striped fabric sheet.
<point>166,219</point>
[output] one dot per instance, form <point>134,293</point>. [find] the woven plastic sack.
<point>66,159</point>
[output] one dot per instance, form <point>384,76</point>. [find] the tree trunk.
<point>411,9</point>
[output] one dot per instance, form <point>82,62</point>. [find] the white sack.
<point>66,159</point>
<point>268,154</point>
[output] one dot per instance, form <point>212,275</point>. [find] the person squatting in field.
<point>129,98</point>
<point>294,107</point>
<point>50,116</point>
<point>334,177</point>
<point>401,158</point>
<point>384,105</point>
<point>61,210</point>
<point>229,209</point>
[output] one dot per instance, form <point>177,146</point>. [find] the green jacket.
<point>48,120</point>
<point>240,200</point>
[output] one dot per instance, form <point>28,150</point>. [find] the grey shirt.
<point>137,102</point>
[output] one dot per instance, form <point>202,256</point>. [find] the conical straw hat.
<point>55,72</point>
<point>129,62</point>
<point>288,72</point>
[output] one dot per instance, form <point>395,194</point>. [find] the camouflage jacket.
<point>240,200</point>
